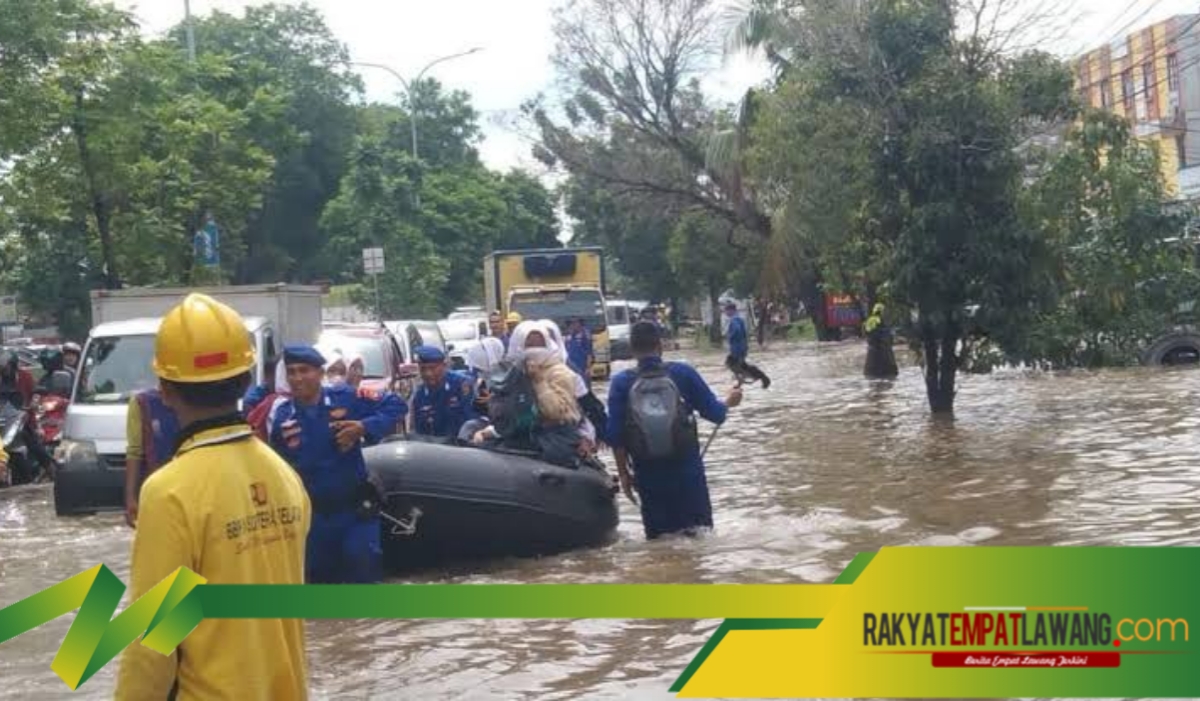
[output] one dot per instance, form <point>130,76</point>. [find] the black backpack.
<point>660,426</point>
<point>512,404</point>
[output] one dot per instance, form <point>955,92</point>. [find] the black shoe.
<point>766,382</point>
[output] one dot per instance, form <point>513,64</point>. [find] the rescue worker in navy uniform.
<point>673,489</point>
<point>446,399</point>
<point>320,431</point>
<point>580,355</point>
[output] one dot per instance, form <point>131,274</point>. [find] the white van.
<point>622,314</point>
<point>116,365</point>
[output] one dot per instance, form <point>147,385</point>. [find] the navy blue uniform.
<point>674,496</point>
<point>739,347</point>
<point>579,351</point>
<point>739,342</point>
<point>442,411</point>
<point>253,397</point>
<point>342,546</point>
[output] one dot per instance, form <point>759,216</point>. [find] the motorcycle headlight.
<point>77,454</point>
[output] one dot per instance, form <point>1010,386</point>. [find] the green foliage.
<point>117,149</point>
<point>436,219</point>
<point>695,241</point>
<point>1123,265</point>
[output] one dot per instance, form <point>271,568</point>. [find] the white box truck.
<point>116,365</point>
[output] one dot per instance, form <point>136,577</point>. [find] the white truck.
<point>116,365</point>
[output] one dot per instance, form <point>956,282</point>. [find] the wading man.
<point>652,429</point>
<point>226,507</point>
<point>321,430</point>
<point>739,348</point>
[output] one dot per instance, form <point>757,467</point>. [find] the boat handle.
<point>547,477</point>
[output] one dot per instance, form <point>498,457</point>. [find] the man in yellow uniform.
<point>226,507</point>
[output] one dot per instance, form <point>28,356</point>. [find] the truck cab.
<point>559,284</point>
<point>116,365</point>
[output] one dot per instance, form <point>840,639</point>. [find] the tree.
<point>696,243</point>
<point>921,122</point>
<point>1122,261</point>
<point>634,230</point>
<point>436,219</point>
<point>288,52</point>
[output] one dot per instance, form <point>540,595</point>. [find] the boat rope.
<point>402,527</point>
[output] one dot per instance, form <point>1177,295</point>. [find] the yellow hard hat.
<point>513,318</point>
<point>202,340</point>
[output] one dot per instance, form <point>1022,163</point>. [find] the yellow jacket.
<point>230,509</point>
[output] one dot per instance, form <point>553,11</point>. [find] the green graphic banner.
<point>906,622</point>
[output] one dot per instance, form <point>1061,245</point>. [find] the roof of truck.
<point>149,325</point>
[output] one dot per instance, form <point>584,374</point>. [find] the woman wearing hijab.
<point>356,368</point>
<point>335,370</point>
<point>257,414</point>
<point>561,433</point>
<point>589,403</point>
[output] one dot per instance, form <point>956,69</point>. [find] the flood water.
<point>805,475</point>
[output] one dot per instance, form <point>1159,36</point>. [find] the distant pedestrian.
<point>739,348</point>
<point>580,355</point>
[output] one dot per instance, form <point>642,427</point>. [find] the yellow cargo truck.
<point>552,283</point>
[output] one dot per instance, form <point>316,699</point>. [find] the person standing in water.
<point>653,434</point>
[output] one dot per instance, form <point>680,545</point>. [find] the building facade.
<point>1152,78</point>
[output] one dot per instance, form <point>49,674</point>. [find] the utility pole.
<point>190,30</point>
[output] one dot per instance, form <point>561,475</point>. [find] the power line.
<point>1153,58</point>
<point>1121,32</point>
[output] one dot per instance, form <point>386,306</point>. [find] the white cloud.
<point>517,41</point>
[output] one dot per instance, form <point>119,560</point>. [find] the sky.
<point>513,66</point>
<point>516,41</point>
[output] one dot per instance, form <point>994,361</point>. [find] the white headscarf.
<point>335,358</point>
<point>556,335</point>
<point>486,355</point>
<point>581,388</point>
<point>281,381</point>
<point>516,345</point>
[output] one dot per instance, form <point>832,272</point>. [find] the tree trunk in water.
<point>941,368</point>
<point>100,210</point>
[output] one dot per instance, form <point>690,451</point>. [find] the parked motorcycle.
<point>21,469</point>
<point>51,409</point>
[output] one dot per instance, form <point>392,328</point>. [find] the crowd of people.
<point>277,491</point>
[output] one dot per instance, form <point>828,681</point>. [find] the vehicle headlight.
<point>77,454</point>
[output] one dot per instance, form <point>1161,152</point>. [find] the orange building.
<point>1152,78</point>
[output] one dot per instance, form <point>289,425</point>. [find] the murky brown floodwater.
<point>803,477</point>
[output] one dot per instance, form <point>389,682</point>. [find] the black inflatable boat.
<point>447,503</point>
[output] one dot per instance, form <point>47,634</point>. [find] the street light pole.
<point>408,86</point>
<point>191,32</point>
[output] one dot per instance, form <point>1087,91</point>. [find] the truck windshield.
<point>115,368</point>
<point>561,307</point>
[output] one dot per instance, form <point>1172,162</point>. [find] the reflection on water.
<point>803,477</point>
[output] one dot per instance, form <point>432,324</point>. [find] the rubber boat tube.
<point>449,503</point>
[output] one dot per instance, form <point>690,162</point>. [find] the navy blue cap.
<point>429,354</point>
<point>303,355</point>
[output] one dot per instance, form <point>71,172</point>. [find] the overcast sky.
<point>516,40</point>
